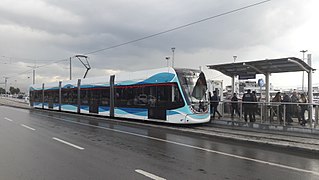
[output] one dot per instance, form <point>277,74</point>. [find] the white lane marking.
<point>147,174</point>
<point>194,147</point>
<point>28,127</point>
<point>8,119</point>
<point>70,144</point>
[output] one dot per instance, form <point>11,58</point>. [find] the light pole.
<point>234,89</point>
<point>303,72</point>
<point>5,84</point>
<point>173,50</point>
<point>33,73</point>
<point>70,68</point>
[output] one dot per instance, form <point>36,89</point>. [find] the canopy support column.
<point>267,87</point>
<point>233,85</point>
<point>310,97</point>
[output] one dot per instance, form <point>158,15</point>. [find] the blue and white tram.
<point>168,95</point>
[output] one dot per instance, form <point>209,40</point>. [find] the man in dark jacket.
<point>289,107</point>
<point>214,103</point>
<point>234,105</point>
<point>295,110</point>
<point>248,107</point>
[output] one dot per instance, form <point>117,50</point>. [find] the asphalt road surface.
<point>38,144</point>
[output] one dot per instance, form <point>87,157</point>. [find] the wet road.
<point>43,145</point>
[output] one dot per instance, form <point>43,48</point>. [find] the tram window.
<point>131,96</point>
<point>84,97</point>
<point>74,98</point>
<point>64,96</point>
<point>38,96</point>
<point>94,97</point>
<point>164,96</point>
<point>51,96</point>
<point>121,98</point>
<point>177,98</point>
<point>46,96</point>
<point>169,97</point>
<point>55,96</point>
<point>69,96</point>
<point>140,96</point>
<point>105,97</point>
<point>31,97</point>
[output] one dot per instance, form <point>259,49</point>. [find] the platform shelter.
<point>249,70</point>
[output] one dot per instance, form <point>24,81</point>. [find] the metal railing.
<point>272,113</point>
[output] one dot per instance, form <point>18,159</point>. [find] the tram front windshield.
<point>194,87</point>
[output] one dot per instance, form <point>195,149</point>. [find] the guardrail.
<point>272,113</point>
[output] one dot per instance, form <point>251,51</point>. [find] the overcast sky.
<point>40,32</point>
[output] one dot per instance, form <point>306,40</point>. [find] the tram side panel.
<point>148,101</point>
<point>145,102</point>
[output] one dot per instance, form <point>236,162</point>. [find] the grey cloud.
<point>92,25</point>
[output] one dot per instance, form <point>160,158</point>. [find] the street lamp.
<point>70,68</point>
<point>167,59</point>
<point>33,73</point>
<point>5,84</point>
<point>235,57</point>
<point>234,79</point>
<point>303,72</point>
<point>173,50</point>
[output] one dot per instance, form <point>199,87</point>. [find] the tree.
<point>2,91</point>
<point>14,90</point>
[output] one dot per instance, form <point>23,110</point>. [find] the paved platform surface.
<point>14,102</point>
<point>296,138</point>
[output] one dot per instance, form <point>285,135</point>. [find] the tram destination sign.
<point>247,76</point>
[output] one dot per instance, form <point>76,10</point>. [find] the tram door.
<point>94,102</point>
<point>157,110</point>
<point>157,113</point>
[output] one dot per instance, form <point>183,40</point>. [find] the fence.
<point>283,113</point>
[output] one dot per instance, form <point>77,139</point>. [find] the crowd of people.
<point>294,104</point>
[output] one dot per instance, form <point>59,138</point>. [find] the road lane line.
<point>70,144</point>
<point>147,174</point>
<point>194,147</point>
<point>8,119</point>
<point>28,127</point>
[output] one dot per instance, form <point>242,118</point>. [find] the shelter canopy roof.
<point>248,68</point>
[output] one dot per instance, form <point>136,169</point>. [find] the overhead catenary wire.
<point>177,28</point>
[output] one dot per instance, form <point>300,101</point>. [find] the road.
<point>44,145</point>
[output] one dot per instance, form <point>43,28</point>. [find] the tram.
<point>169,95</point>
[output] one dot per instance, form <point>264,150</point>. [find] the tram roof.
<point>250,68</point>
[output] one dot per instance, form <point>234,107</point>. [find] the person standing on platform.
<point>295,109</point>
<point>303,108</point>
<point>289,111</point>
<point>278,99</point>
<point>234,105</point>
<point>248,97</point>
<point>211,102</point>
<point>254,106</point>
<point>214,103</point>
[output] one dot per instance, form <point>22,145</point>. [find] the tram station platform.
<point>293,137</point>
